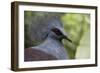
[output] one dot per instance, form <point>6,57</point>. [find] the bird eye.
<point>57,31</point>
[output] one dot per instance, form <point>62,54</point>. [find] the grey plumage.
<point>52,45</point>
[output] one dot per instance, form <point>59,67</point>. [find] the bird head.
<point>57,30</point>
<point>60,34</point>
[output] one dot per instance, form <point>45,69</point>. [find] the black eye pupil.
<point>57,31</point>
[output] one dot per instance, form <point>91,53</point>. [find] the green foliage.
<point>76,25</point>
<point>83,50</point>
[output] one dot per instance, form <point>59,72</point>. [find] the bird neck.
<point>54,47</point>
<point>50,42</point>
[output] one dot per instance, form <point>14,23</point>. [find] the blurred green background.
<point>77,26</point>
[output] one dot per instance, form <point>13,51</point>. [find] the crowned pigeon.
<point>52,47</point>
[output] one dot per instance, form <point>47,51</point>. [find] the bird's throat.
<point>54,47</point>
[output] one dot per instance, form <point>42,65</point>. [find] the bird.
<point>52,47</point>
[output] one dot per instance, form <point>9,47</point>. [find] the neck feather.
<point>54,47</point>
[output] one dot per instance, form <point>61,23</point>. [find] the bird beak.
<point>67,39</point>
<point>65,36</point>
